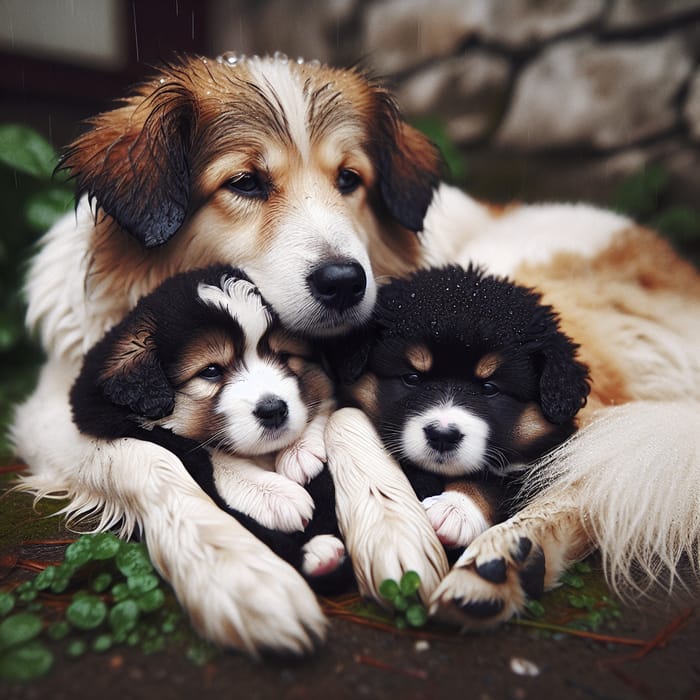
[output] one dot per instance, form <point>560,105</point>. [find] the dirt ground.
<point>358,662</point>
<point>661,660</point>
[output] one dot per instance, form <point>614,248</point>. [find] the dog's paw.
<point>492,580</point>
<point>456,519</point>
<point>239,594</point>
<point>302,460</point>
<point>323,554</point>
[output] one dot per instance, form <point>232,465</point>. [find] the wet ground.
<point>651,651</point>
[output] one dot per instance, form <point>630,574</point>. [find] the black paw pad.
<point>482,609</point>
<point>532,575</point>
<point>521,551</point>
<point>494,570</point>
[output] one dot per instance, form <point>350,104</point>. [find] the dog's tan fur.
<point>160,177</point>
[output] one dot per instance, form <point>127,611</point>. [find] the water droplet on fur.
<point>300,60</point>
<point>281,57</point>
<point>315,63</point>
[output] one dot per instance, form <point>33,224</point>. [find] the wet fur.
<point>158,177</point>
<point>456,344</point>
<point>143,380</point>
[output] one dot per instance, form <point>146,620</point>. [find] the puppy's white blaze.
<point>242,301</point>
<point>239,398</point>
<point>470,453</point>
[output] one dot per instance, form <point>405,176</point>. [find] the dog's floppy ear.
<point>563,381</point>
<point>134,161</point>
<point>408,163</point>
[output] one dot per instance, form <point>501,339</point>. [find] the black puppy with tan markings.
<point>467,378</point>
<point>202,367</point>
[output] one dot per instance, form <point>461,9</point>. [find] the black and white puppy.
<point>202,367</point>
<point>467,378</point>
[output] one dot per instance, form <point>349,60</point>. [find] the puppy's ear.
<point>134,162</point>
<point>139,384</point>
<point>409,166</point>
<point>564,380</point>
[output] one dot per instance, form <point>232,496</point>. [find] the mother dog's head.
<point>303,174</point>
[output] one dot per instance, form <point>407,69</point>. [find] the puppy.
<point>305,176</point>
<point>202,367</point>
<point>467,378</point>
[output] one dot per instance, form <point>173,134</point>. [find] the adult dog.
<point>305,176</point>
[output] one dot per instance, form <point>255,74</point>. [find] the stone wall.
<point>544,98</point>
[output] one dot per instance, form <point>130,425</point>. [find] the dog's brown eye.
<point>411,379</point>
<point>490,389</point>
<point>348,181</point>
<point>212,373</point>
<point>248,185</point>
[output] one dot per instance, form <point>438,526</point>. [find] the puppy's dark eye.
<point>411,379</point>
<point>490,389</point>
<point>248,185</point>
<point>212,373</point>
<point>348,181</point>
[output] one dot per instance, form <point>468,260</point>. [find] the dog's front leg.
<point>304,458</point>
<point>385,527</point>
<point>513,562</point>
<point>235,590</point>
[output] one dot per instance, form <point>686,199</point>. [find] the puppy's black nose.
<point>443,438</point>
<point>338,285</point>
<point>271,411</point>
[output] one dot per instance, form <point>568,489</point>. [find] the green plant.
<point>582,602</point>
<point>403,598</point>
<point>103,594</point>
<point>31,199</point>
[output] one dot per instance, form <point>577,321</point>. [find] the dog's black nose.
<point>443,438</point>
<point>271,411</point>
<point>338,285</point>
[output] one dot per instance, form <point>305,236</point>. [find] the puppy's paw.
<point>456,519</point>
<point>323,554</point>
<point>273,500</point>
<point>492,580</point>
<point>301,461</point>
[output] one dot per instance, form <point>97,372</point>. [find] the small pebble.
<point>523,667</point>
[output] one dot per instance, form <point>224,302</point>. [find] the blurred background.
<point>593,100</point>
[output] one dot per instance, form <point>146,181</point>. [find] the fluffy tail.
<point>636,471</point>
